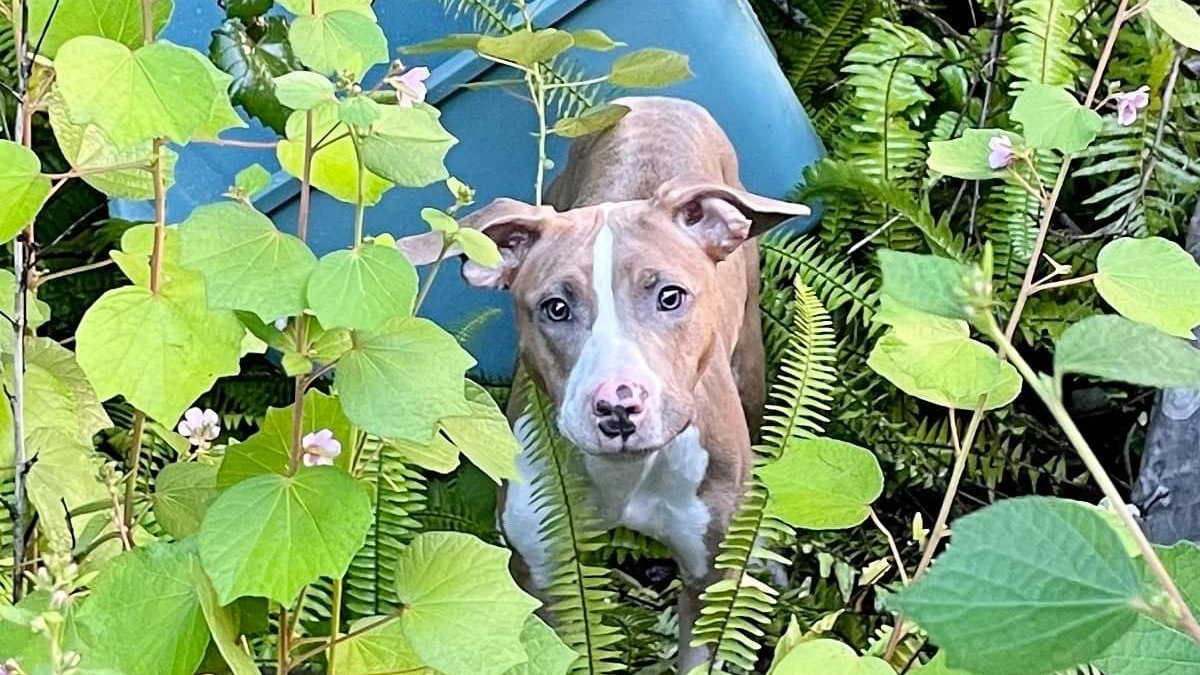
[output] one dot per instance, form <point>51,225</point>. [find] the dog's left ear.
<point>720,217</point>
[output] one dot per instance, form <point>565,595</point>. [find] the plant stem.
<point>70,271</point>
<point>433,272</point>
<point>360,206</point>
<point>891,545</point>
<point>335,625</point>
<point>301,384</point>
<point>135,458</point>
<point>352,634</point>
<point>1094,467</point>
<point>284,665</point>
<point>1061,283</point>
<point>306,179</point>
<point>537,91</point>
<point>231,143</point>
<point>21,267</point>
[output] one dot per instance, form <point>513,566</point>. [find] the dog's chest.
<point>658,495</point>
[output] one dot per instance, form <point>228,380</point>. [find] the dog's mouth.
<point>632,452</point>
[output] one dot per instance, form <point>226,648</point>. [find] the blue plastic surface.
<point>737,78</point>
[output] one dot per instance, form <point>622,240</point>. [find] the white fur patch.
<point>657,496</point>
<point>522,519</point>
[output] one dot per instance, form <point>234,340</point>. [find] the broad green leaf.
<point>303,89</point>
<point>823,484</point>
<point>23,188</point>
<point>595,40</point>
<point>478,247</point>
<point>252,180</point>
<point>953,372</point>
<point>119,20</point>
<point>438,455</point>
<point>1153,281</point>
<point>255,54</point>
<point>134,96</point>
<point>362,288</point>
<point>137,245</point>
<point>343,40</point>
<point>222,623</point>
<point>221,115</point>
<point>828,657</point>
<point>58,395</point>
<point>484,435</point>
<point>159,351</point>
<point>937,666</point>
<point>408,146</point>
<point>379,649</point>
<point>463,613</point>
<point>1115,348</point>
<point>247,9</point>
<point>1051,117</point>
<point>926,283</point>
<point>647,68</point>
<point>268,451</point>
<point>143,616</point>
<point>978,605</point>
<point>545,650</point>
<point>270,535</point>
<point>335,165</point>
<point>452,42</point>
<point>358,111</point>
<point>399,381</point>
<point>66,471</point>
<point>304,7</point>
<point>526,47</point>
<point>30,648</point>
<point>1152,647</point>
<point>967,156</point>
<point>592,121</point>
<point>36,311</point>
<point>247,263</point>
<point>87,147</point>
<point>439,221</point>
<point>183,491</point>
<point>1177,19</point>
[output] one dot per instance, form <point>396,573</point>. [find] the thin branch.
<point>352,634</point>
<point>43,278</point>
<point>1061,283</point>
<point>891,544</point>
<point>231,143</point>
<point>1152,156</point>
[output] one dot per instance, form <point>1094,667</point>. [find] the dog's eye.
<point>670,298</point>
<point>556,310</point>
<point>692,213</point>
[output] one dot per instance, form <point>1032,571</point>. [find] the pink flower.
<point>1129,103</point>
<point>1002,152</point>
<point>410,86</point>
<point>320,448</point>
<point>200,426</point>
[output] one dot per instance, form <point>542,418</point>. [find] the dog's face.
<point>618,305</point>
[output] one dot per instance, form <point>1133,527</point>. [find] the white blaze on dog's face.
<point>618,305</point>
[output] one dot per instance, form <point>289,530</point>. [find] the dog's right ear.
<point>514,226</point>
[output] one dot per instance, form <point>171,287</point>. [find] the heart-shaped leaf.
<point>55,22</point>
<point>335,164</point>
<point>408,146</point>
<point>1052,118</point>
<point>649,68</point>
<point>255,56</point>
<point>183,492</point>
<point>1115,348</point>
<point>827,657</point>
<point>1177,19</point>
<point>343,40</point>
<point>925,283</point>
<point>23,188</point>
<point>1153,281</point>
<point>303,89</point>
<point>362,288</point>
<point>823,484</point>
<point>967,156</point>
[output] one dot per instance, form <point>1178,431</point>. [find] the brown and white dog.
<point>636,297</point>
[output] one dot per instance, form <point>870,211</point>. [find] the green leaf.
<point>23,188</point>
<point>36,311</point>
<point>58,395</point>
<point>1153,647</point>
<point>143,616</point>
<point>87,148</point>
<point>247,263</point>
<point>362,288</point>
<point>159,351</point>
<point>268,451</point>
<point>358,111</point>
<point>478,247</point>
<point>828,657</point>
<point>221,115</point>
<point>222,623</point>
<point>183,491</point>
<point>303,89</point>
<point>1177,19</point>
<point>649,68</point>
<point>593,121</point>
<point>252,180</point>
<point>545,650</point>
<point>926,283</point>
<point>948,369</point>
<point>595,40</point>
<point>66,471</point>
<point>526,47</point>
<point>452,42</point>
<point>978,605</point>
<point>937,666</point>
<point>378,651</point>
<point>119,20</point>
<point>247,9</point>
<point>463,613</point>
<point>304,7</point>
<point>255,55</point>
<point>439,221</point>
<point>408,146</point>
<point>335,165</point>
<point>1115,348</point>
<point>484,435</point>
<point>270,535</point>
<point>823,484</point>
<point>967,156</point>
<point>438,455</point>
<point>1052,118</point>
<point>402,379</point>
<point>344,40</point>
<point>134,96</point>
<point>1152,281</point>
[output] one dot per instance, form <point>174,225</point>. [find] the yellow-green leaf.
<point>1153,281</point>
<point>23,188</point>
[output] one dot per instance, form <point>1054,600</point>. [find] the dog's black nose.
<point>616,420</point>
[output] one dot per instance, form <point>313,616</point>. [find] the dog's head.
<point>618,305</point>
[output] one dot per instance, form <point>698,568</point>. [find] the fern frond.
<point>572,533</point>
<point>1045,50</point>
<point>397,496</point>
<point>812,56</point>
<point>829,275</point>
